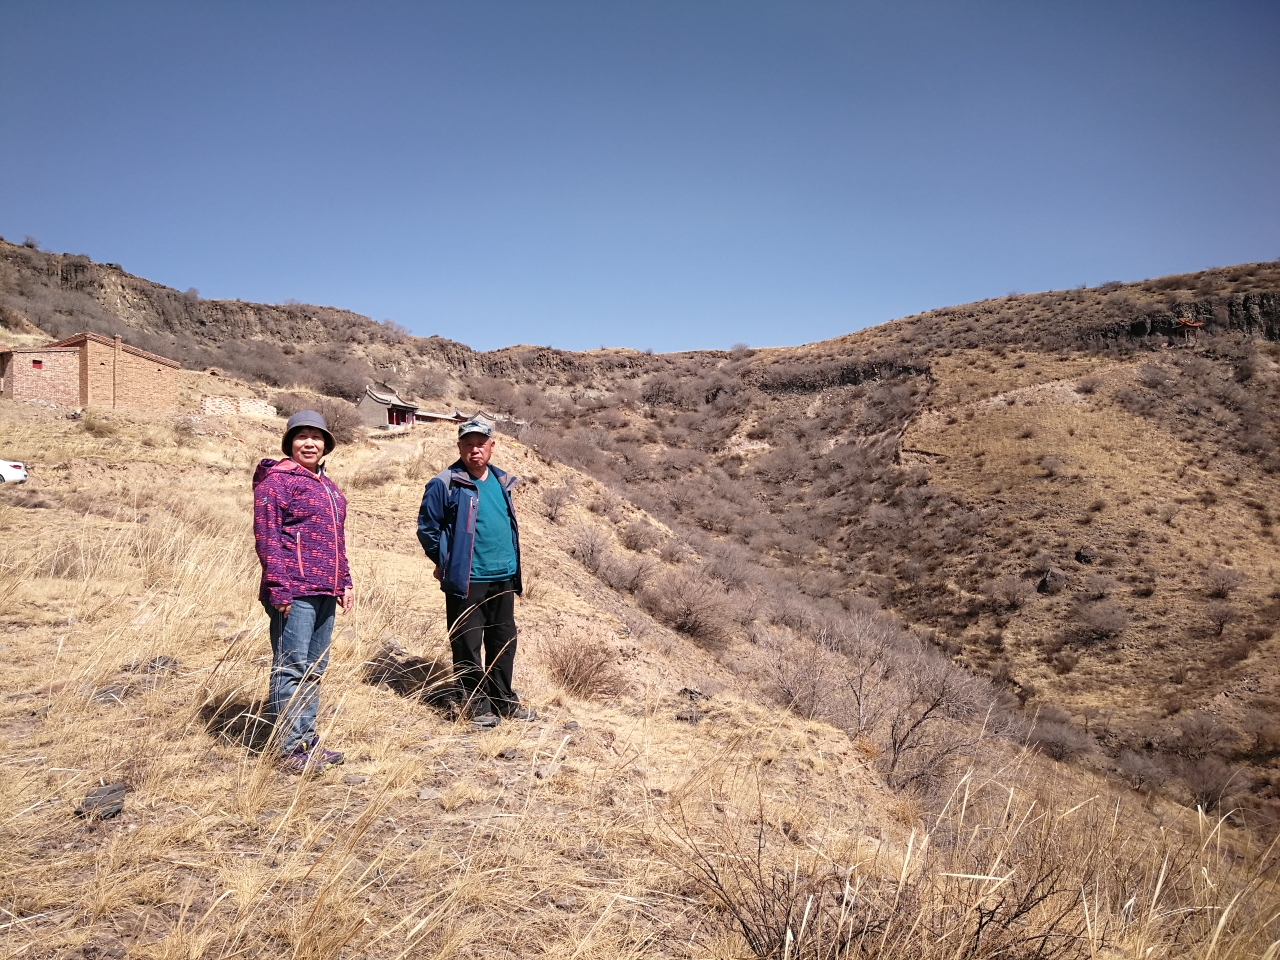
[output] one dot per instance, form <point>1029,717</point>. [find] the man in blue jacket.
<point>467,526</point>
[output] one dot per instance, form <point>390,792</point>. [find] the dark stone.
<point>510,753</point>
<point>693,696</point>
<point>1052,582</point>
<point>102,803</point>
<point>689,716</point>
<point>571,725</point>
<point>1086,555</point>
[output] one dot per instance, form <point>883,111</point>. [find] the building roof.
<point>49,349</point>
<point>76,339</point>
<point>388,397</point>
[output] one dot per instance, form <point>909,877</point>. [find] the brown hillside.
<point>1059,490</point>
<point>665,804</point>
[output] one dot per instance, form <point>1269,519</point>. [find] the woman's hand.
<point>283,609</point>
<point>347,601</point>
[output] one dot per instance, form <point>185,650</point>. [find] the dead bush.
<point>1009,593</point>
<point>1143,771</point>
<point>674,551</point>
<point>806,677</point>
<point>1221,582</point>
<point>555,500</point>
<point>1210,782</point>
<point>929,694</point>
<point>689,604</point>
<point>1200,734</point>
<point>732,566</point>
<point>589,545</point>
<point>584,667</point>
<point>630,574</point>
<point>375,475</point>
<point>1096,622</point>
<point>1059,740</point>
<point>96,426</point>
<point>1219,614</point>
<point>184,432</point>
<point>640,535</point>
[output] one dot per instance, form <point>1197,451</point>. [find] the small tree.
<point>1220,613</point>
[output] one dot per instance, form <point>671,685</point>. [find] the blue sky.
<point>667,175</point>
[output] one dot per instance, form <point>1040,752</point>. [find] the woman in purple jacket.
<point>298,519</point>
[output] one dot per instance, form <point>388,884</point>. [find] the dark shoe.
<point>295,761</point>
<point>527,714</point>
<point>322,759</point>
<point>485,721</point>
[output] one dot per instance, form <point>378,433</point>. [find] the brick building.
<point>90,370</point>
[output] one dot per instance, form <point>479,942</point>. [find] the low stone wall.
<point>235,406</point>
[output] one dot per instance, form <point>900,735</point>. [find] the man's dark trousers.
<point>484,621</point>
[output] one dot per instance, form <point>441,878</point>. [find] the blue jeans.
<point>299,655</point>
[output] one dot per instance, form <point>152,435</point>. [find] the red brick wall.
<point>145,385</point>
<point>99,378</point>
<point>112,378</point>
<point>57,380</point>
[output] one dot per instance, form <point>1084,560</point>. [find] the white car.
<point>11,472</point>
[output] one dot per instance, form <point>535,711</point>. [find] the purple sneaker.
<point>322,759</point>
<point>295,761</point>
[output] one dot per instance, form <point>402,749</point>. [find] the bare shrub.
<point>554,501</point>
<point>1263,734</point>
<point>608,504</point>
<point>1221,582</point>
<point>640,535</point>
<point>786,903</point>
<point>673,551</point>
<point>1059,740</point>
<point>1209,782</point>
<point>1088,385</point>
<point>1143,771</point>
<point>342,419</point>
<point>1009,593</point>
<point>689,604</point>
<point>96,426</point>
<point>1097,586</point>
<point>1200,734</point>
<point>929,693</point>
<point>732,566</point>
<point>375,475</point>
<point>630,574</point>
<point>184,432</point>
<point>1096,622</point>
<point>1219,613</point>
<point>808,679</point>
<point>589,545</point>
<point>584,667</point>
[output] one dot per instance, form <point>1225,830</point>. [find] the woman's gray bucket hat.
<point>306,418</point>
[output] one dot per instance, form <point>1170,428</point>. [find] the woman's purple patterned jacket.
<point>298,520</point>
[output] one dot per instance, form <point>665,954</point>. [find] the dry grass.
<point>542,839</point>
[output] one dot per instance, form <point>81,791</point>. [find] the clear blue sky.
<point>668,175</point>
